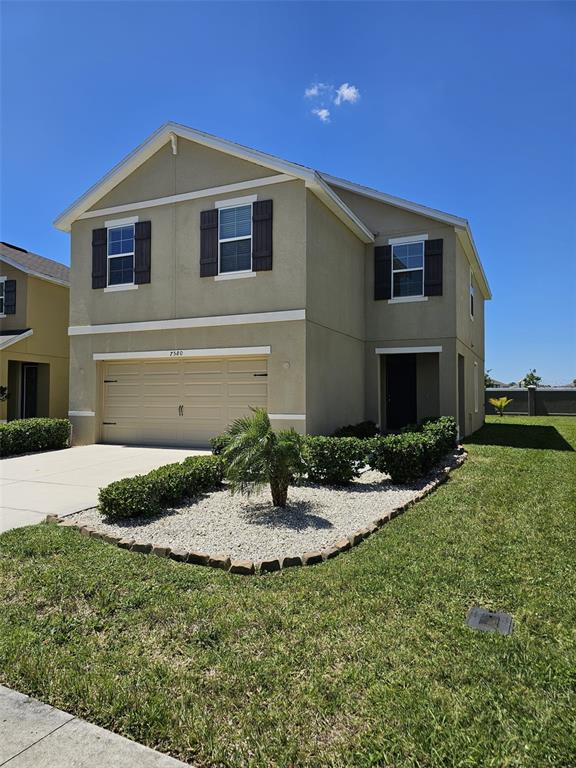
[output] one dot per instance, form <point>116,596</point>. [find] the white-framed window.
<point>235,238</point>
<point>120,254</point>
<point>408,269</point>
<point>2,295</point>
<point>471,295</point>
<point>476,387</point>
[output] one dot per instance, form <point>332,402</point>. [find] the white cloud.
<point>346,92</point>
<point>317,89</point>
<point>322,113</point>
<point>325,95</point>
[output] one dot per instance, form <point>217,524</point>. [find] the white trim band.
<point>287,416</point>
<point>122,287</point>
<point>408,239</point>
<point>233,275</point>
<point>407,299</point>
<point>181,354</point>
<point>81,413</point>
<point>181,198</point>
<point>190,322</point>
<point>405,350</point>
<point>233,202</point>
<point>120,222</point>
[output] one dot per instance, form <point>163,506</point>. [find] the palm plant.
<point>500,403</point>
<point>256,455</point>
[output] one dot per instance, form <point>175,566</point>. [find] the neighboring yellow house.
<point>34,348</point>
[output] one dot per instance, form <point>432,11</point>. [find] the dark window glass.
<point>235,222</point>
<point>120,240</point>
<point>409,256</point>
<point>121,270</point>
<point>408,283</point>
<point>235,256</point>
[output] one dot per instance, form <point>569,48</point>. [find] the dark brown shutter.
<point>209,243</point>
<point>99,257</point>
<point>10,297</point>
<point>433,267</point>
<point>262,235</point>
<point>142,252</point>
<point>383,272</point>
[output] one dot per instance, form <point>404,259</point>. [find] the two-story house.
<point>208,277</point>
<point>34,357</point>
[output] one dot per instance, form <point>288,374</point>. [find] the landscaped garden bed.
<point>327,495</point>
<point>317,520</point>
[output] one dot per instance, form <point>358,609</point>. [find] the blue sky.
<point>466,107</point>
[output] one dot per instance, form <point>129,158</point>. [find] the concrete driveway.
<point>62,482</point>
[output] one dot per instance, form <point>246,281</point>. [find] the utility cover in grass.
<point>489,621</point>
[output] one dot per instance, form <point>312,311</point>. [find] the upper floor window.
<point>408,269</point>
<point>471,296</point>
<point>235,239</point>
<point>121,255</point>
<point>2,295</point>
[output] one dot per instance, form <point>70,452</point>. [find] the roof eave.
<point>32,272</point>
<point>160,137</point>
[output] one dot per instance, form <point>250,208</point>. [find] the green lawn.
<point>362,661</point>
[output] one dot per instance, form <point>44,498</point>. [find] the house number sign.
<point>176,353</point>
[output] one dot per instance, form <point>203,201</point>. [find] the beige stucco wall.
<point>176,288</point>
<point>286,365</point>
<point>42,306</point>
<point>18,320</point>
<point>335,321</point>
<point>194,167</point>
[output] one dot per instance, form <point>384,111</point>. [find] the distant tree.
<point>531,379</point>
<point>488,380</point>
<point>574,382</point>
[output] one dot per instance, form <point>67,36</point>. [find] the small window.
<point>471,296</point>
<point>408,269</point>
<point>2,286</point>
<point>121,255</point>
<point>235,239</point>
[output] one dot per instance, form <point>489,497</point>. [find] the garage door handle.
<point>260,374</point>
<point>109,423</point>
<point>110,381</point>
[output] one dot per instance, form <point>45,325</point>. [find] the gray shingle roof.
<point>33,264</point>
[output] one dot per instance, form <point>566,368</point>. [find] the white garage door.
<point>183,402</point>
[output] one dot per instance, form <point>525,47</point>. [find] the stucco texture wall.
<point>44,308</point>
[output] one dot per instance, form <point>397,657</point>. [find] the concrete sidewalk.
<point>66,481</point>
<point>35,735</point>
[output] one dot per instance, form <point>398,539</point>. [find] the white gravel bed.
<point>252,529</point>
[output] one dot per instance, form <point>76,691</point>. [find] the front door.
<point>400,391</point>
<point>29,400</point>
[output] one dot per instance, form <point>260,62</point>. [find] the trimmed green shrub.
<point>30,435</point>
<point>443,429</point>
<point>362,430</point>
<point>409,455</point>
<point>334,460</point>
<point>219,443</point>
<point>147,495</point>
<point>130,497</point>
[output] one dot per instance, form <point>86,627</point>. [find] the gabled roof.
<point>461,225</point>
<point>32,264</point>
<point>165,133</point>
<point>321,184</point>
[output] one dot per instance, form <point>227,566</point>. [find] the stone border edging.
<point>249,567</point>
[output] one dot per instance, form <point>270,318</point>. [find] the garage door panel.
<point>144,399</point>
<point>243,365</point>
<point>247,391</point>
